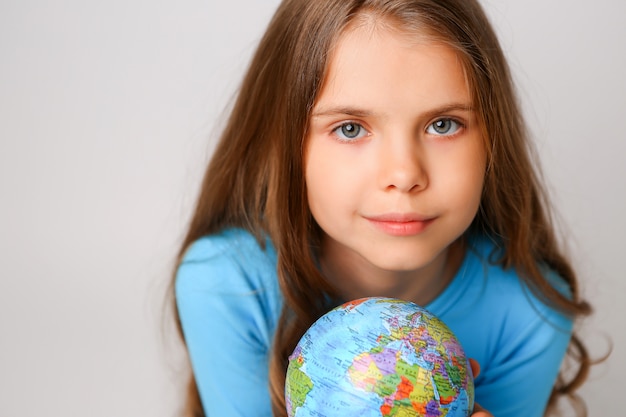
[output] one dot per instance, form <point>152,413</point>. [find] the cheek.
<point>475,179</point>
<point>334,187</point>
<point>327,174</point>
<point>462,176</point>
<point>327,188</point>
<point>320,180</point>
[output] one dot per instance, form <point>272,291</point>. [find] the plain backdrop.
<point>108,113</point>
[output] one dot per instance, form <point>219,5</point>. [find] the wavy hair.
<point>255,179</point>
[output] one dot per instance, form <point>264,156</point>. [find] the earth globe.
<point>379,357</point>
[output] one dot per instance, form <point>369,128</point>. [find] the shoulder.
<point>498,316</point>
<point>229,242</point>
<point>493,311</point>
<point>505,287</point>
<point>228,281</point>
<point>232,261</point>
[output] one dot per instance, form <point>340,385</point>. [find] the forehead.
<point>380,66</point>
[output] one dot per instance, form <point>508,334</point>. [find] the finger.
<point>480,412</point>
<point>475,367</point>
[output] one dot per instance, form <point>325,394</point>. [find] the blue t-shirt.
<point>229,302</point>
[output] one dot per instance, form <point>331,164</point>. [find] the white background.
<point>108,112</point>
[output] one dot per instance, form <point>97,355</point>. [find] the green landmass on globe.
<point>379,357</point>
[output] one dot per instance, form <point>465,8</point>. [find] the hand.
<point>478,410</point>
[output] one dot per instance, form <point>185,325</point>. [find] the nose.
<point>402,165</point>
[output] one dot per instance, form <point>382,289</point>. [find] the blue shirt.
<point>229,303</point>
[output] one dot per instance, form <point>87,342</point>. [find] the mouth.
<point>398,224</point>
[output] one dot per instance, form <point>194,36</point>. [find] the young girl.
<point>376,148</point>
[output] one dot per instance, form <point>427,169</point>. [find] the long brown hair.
<point>255,179</point>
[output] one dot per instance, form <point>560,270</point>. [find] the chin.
<point>402,262</point>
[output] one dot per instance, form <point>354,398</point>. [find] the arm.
<point>227,317</point>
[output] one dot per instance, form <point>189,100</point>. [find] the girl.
<point>376,149</point>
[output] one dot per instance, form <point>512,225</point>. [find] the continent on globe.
<point>379,357</point>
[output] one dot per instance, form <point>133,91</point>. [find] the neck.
<point>354,277</point>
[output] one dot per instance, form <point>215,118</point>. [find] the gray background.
<point>108,112</point>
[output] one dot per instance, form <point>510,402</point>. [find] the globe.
<point>379,357</point>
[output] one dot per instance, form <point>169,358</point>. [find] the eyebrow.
<point>342,110</point>
<point>360,112</point>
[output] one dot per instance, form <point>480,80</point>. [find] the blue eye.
<point>350,131</point>
<point>444,127</point>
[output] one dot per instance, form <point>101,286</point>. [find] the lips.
<point>400,224</point>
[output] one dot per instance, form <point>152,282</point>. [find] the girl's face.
<point>395,160</point>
